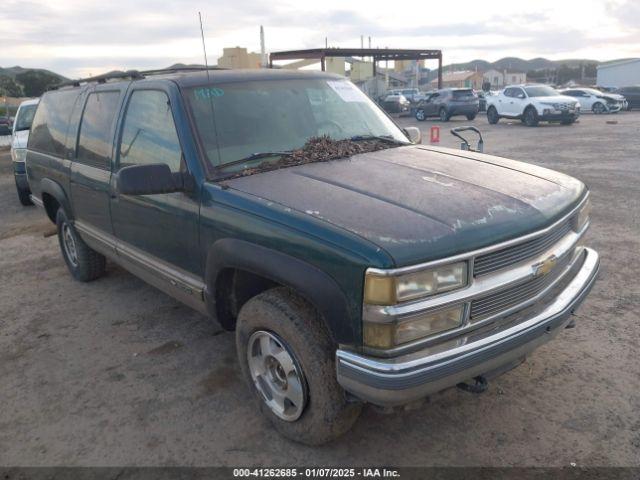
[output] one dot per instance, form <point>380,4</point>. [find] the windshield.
<point>541,91</point>
<point>25,117</point>
<point>239,119</point>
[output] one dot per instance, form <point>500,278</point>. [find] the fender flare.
<point>310,282</point>
<point>54,189</point>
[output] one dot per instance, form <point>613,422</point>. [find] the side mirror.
<point>414,134</point>
<point>521,96</point>
<point>151,179</point>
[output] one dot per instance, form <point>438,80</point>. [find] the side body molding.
<point>309,281</point>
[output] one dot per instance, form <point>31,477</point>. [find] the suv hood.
<point>421,203</point>
<point>20,139</point>
<point>555,99</point>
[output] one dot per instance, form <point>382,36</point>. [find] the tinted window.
<point>94,144</point>
<point>149,133</point>
<point>25,117</point>
<point>541,91</point>
<point>51,122</point>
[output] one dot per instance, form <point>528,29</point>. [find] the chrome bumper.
<point>404,379</point>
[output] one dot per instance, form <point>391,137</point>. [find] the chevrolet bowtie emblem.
<point>545,266</point>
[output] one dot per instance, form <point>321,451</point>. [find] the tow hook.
<point>480,386</point>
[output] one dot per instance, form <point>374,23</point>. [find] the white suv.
<point>19,139</point>
<point>532,104</point>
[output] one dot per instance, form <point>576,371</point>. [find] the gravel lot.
<point>116,373</point>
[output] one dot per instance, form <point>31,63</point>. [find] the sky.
<point>86,37</point>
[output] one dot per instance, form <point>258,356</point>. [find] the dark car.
<point>632,95</point>
<point>396,103</point>
<point>447,103</point>
<point>354,265</point>
<point>5,126</point>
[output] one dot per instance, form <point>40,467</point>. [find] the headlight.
<point>582,217</point>
<point>389,290</point>
<point>389,335</point>
<point>19,154</point>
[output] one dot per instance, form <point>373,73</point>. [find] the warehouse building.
<point>619,73</point>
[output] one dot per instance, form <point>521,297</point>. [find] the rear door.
<point>156,232</point>
<point>90,173</point>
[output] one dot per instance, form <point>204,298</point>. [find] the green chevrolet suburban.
<point>354,264</point>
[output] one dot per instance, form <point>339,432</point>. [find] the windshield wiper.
<point>382,138</point>
<point>255,156</point>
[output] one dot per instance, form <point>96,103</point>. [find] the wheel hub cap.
<point>69,245</point>
<point>277,375</point>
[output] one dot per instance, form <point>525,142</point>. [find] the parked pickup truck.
<point>354,264</point>
<point>532,104</point>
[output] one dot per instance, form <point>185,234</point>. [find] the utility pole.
<point>361,41</point>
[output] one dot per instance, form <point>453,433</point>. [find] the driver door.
<point>431,106</point>
<point>155,232</point>
<point>517,102</point>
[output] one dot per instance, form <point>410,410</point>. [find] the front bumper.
<point>550,115</point>
<point>402,380</point>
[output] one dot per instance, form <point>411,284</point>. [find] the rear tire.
<point>471,117</point>
<point>24,195</point>
<point>421,116</point>
<point>568,122</point>
<point>492,115</point>
<point>84,263</point>
<point>531,117</point>
<point>444,115</point>
<point>292,328</point>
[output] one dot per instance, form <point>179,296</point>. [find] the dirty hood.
<point>421,203</point>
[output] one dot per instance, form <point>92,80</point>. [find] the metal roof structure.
<point>376,54</point>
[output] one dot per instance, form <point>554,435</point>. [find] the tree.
<point>9,87</point>
<point>35,83</point>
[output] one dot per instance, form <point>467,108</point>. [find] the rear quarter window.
<point>51,122</point>
<point>96,129</point>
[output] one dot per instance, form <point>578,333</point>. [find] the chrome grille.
<point>506,257</point>
<point>503,300</point>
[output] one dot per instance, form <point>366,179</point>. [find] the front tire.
<point>444,115</point>
<point>492,115</point>
<point>24,195</point>
<point>598,108</point>
<point>531,117</point>
<point>84,263</point>
<point>421,116</point>
<point>471,117</point>
<point>288,360</point>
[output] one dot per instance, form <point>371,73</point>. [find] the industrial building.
<point>619,73</point>
<point>464,79</point>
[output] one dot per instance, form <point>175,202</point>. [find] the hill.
<point>519,64</point>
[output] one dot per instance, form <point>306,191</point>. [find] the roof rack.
<point>130,74</point>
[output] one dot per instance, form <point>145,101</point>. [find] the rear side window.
<point>51,122</point>
<point>94,143</point>
<point>462,94</point>
<point>149,132</point>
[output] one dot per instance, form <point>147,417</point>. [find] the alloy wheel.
<point>69,244</point>
<point>277,375</point>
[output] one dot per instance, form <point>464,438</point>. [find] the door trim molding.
<point>180,284</point>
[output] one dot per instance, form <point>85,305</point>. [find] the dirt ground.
<point>116,373</point>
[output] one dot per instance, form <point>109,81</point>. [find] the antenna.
<point>204,48</point>
<point>206,65</point>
